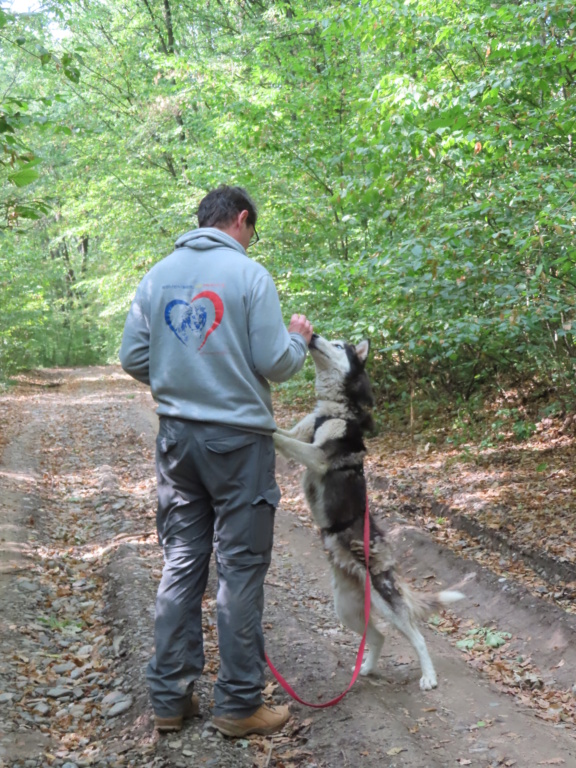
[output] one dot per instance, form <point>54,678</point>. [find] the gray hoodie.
<point>205,331</point>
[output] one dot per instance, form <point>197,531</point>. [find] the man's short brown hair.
<point>221,206</point>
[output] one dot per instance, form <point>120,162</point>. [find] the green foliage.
<point>62,625</point>
<point>482,638</point>
<point>413,163</point>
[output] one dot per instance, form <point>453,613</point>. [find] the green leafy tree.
<point>413,164</point>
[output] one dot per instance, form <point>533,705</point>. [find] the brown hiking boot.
<point>264,721</point>
<point>170,724</point>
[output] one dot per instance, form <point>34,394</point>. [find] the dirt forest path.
<point>79,566</point>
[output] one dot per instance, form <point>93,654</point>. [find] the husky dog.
<point>329,443</point>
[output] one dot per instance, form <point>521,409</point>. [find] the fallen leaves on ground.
<point>513,674</point>
<point>525,492</point>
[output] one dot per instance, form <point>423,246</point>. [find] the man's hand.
<point>300,324</point>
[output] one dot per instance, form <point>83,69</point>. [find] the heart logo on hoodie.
<point>188,320</point>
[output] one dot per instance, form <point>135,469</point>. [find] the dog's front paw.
<point>429,681</point>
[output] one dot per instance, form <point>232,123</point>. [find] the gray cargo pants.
<point>216,489</point>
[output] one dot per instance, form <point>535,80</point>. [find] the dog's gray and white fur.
<point>329,443</point>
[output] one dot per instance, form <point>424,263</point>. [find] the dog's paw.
<point>427,682</point>
<point>367,668</point>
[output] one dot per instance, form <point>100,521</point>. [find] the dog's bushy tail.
<point>422,604</point>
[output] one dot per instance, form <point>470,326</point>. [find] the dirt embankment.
<point>79,569</point>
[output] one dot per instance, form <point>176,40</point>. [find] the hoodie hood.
<point>207,238</point>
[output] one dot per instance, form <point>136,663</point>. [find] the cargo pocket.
<point>231,467</point>
<point>165,452</point>
<point>229,443</point>
<point>265,503</point>
<point>165,444</point>
<point>262,527</point>
<point>244,512</point>
<point>168,438</point>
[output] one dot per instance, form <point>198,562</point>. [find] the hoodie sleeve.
<point>277,354</point>
<point>135,348</point>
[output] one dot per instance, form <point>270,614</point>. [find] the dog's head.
<point>340,371</point>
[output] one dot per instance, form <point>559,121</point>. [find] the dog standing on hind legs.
<point>329,443</point>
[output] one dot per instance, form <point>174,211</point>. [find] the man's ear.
<point>362,350</point>
<point>241,218</point>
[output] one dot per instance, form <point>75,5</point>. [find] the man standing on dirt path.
<point>205,331</point>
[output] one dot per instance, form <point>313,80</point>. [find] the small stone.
<point>60,669</point>
<point>58,692</point>
<point>28,586</point>
<point>242,743</point>
<point>175,744</point>
<point>112,698</point>
<point>77,672</point>
<point>86,650</point>
<point>41,708</point>
<point>6,697</point>
<point>120,707</point>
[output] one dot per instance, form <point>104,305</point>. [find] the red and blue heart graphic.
<point>188,319</point>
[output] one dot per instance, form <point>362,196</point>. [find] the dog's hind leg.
<point>402,620</point>
<point>349,608</point>
<point>428,679</point>
<point>375,640</point>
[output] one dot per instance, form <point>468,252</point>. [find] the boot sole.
<point>167,727</point>
<point>173,724</point>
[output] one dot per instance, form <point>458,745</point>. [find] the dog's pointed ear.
<point>362,350</point>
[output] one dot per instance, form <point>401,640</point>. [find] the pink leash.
<point>287,687</point>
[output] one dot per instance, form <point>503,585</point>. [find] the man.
<point>205,331</point>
